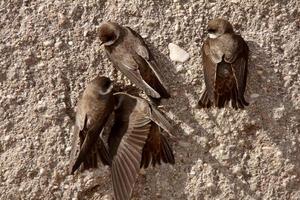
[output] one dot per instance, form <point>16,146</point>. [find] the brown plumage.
<point>225,67</point>
<point>128,52</point>
<point>156,149</point>
<point>135,140</point>
<point>93,110</point>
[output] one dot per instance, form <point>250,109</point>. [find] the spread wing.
<point>240,67</point>
<point>209,69</point>
<point>156,149</point>
<point>126,162</point>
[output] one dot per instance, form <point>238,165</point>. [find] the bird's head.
<point>109,33</point>
<point>102,86</point>
<point>218,27</point>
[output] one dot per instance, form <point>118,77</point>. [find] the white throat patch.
<point>212,35</point>
<point>109,43</point>
<point>107,91</point>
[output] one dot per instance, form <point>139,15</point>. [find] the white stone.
<point>58,44</point>
<point>179,68</point>
<point>254,95</point>
<point>177,53</point>
<point>145,35</point>
<point>236,169</point>
<point>42,171</point>
<point>184,144</point>
<point>192,173</point>
<point>48,43</point>
<point>68,149</point>
<point>6,138</point>
<point>279,153</point>
<point>279,112</point>
<point>210,185</point>
<point>177,27</point>
<point>203,141</point>
<point>260,72</point>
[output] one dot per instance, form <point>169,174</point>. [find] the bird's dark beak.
<point>102,43</point>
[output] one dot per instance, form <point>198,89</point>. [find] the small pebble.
<point>58,44</point>
<point>254,95</point>
<point>236,169</point>
<point>177,53</point>
<point>179,68</point>
<point>68,149</point>
<point>278,113</point>
<point>6,138</point>
<point>48,43</point>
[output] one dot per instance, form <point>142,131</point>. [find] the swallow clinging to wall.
<point>225,66</point>
<point>93,110</point>
<point>129,53</point>
<point>136,141</point>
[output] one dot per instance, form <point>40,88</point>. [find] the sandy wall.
<point>49,51</point>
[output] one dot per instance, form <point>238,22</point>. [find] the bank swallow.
<point>136,141</point>
<point>93,110</point>
<point>225,66</point>
<point>129,53</point>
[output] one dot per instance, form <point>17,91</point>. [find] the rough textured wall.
<point>49,51</point>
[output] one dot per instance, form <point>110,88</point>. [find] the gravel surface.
<point>49,51</point>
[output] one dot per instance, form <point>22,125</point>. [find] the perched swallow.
<point>93,110</point>
<point>225,66</point>
<point>135,140</point>
<point>128,52</point>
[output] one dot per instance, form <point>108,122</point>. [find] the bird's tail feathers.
<point>204,101</point>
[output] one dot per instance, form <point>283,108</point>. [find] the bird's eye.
<point>210,30</point>
<point>107,38</point>
<point>110,38</point>
<point>107,83</point>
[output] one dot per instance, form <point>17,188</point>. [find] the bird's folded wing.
<point>74,147</point>
<point>161,120</point>
<point>144,53</point>
<point>79,126</point>
<point>209,70</point>
<point>135,76</point>
<point>89,143</point>
<point>130,69</point>
<point>240,67</point>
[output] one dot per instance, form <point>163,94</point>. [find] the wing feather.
<point>126,163</point>
<point>240,69</point>
<point>143,52</point>
<point>161,120</point>
<point>209,70</point>
<point>74,143</point>
<point>135,76</point>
